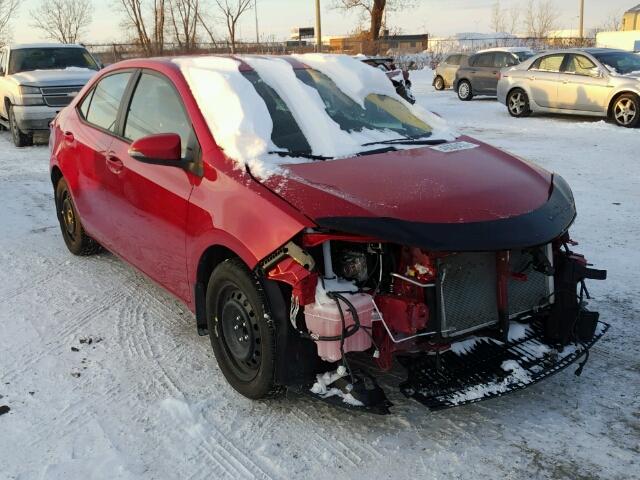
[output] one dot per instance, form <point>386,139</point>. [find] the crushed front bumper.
<point>487,368</point>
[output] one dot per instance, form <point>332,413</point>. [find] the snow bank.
<point>242,126</point>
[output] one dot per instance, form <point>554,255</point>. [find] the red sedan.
<point>314,221</point>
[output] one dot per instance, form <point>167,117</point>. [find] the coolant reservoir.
<point>323,319</point>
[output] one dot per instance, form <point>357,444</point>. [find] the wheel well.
<point>210,259</point>
<point>616,97</point>
<point>56,175</point>
<point>6,102</point>
<point>514,89</point>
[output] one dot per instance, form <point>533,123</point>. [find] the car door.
<point>86,143</point>
<point>151,219</point>
<point>544,78</point>
<point>484,74</point>
<point>583,86</point>
<point>451,65</point>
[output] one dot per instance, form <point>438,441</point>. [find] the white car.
<point>37,81</point>
<point>598,82</point>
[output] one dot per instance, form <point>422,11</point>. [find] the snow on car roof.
<point>242,126</point>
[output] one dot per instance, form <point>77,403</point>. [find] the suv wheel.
<point>464,91</point>
<point>518,103</point>
<point>243,337</point>
<point>626,110</point>
<point>20,139</point>
<point>438,83</point>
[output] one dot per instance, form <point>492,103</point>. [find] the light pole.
<point>581,19</point>
<point>318,28</point>
<point>255,7</point>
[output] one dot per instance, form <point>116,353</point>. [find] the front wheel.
<point>626,110</point>
<point>465,93</point>
<point>438,83</point>
<point>20,139</point>
<point>242,334</point>
<point>518,103</point>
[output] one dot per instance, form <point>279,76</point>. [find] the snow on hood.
<point>67,76</point>
<point>240,121</point>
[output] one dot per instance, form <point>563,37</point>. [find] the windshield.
<point>380,112</point>
<point>620,62</point>
<point>29,59</point>
<point>522,56</point>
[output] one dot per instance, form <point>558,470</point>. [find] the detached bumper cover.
<point>488,368</point>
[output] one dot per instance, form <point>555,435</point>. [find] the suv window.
<point>453,60</point>
<point>580,65</point>
<point>550,63</point>
<point>157,108</point>
<point>504,59</point>
<point>484,60</point>
<point>100,106</point>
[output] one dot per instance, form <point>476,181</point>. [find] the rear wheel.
<point>465,93</point>
<point>76,239</point>
<point>438,83</point>
<point>518,103</point>
<point>20,139</point>
<point>242,335</point>
<point>626,110</point>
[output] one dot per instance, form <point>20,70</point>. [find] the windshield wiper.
<point>300,154</point>
<point>408,141</point>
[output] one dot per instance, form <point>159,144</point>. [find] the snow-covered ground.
<point>106,378</point>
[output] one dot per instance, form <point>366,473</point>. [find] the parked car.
<point>36,82</point>
<point>445,73</point>
<point>594,81</point>
<point>479,74</point>
<point>306,214</point>
<point>399,77</point>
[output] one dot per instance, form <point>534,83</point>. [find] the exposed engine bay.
<point>465,325</point>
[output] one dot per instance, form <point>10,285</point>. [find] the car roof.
<point>506,49</point>
<point>20,46</point>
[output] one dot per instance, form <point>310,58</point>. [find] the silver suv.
<point>592,81</point>
<point>36,82</point>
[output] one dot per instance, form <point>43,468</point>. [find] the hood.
<point>390,195</point>
<point>54,78</point>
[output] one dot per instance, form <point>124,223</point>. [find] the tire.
<point>20,139</point>
<point>438,83</point>
<point>243,336</point>
<point>625,110</point>
<point>465,92</point>
<point>518,103</point>
<point>75,238</point>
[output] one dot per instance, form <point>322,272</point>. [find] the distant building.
<point>397,43</point>
<point>631,19</point>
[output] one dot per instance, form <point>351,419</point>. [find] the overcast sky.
<point>278,17</point>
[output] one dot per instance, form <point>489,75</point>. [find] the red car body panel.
<point>418,185</point>
<point>162,219</point>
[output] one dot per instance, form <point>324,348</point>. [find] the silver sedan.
<point>591,81</point>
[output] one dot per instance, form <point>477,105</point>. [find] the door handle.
<point>532,78</point>
<point>114,164</point>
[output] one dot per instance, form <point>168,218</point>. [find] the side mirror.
<point>161,149</point>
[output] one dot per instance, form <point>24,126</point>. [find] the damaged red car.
<point>324,231</point>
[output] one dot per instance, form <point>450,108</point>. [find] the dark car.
<point>296,255</point>
<point>479,74</point>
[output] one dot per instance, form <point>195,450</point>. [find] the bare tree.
<point>149,26</point>
<point>62,20</point>
<point>373,11</point>
<point>613,23</point>
<point>184,20</point>
<point>7,8</point>
<point>540,18</point>
<point>232,10</point>
<point>497,18</point>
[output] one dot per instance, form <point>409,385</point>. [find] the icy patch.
<point>467,346</point>
<point>323,389</point>
<point>518,331</point>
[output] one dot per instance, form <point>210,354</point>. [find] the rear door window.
<point>156,108</point>
<point>453,60</point>
<point>485,60</point>
<point>504,59</point>
<point>550,63</point>
<point>100,107</point>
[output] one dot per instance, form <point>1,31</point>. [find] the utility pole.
<point>255,7</point>
<point>318,28</point>
<point>581,19</point>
